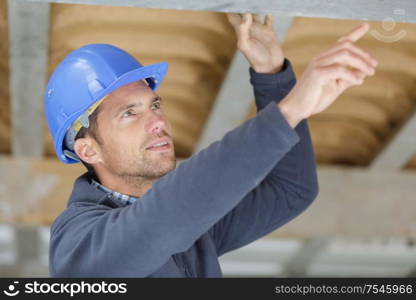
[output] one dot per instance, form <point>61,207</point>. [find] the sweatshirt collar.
<point>126,199</point>
<point>84,192</point>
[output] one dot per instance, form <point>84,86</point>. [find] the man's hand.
<point>258,42</point>
<point>328,75</point>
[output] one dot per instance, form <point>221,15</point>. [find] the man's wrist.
<point>284,80</point>
<point>290,113</point>
<point>269,69</point>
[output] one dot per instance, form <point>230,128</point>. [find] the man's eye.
<point>128,113</point>
<point>156,105</point>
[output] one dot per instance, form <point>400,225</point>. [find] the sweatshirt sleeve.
<point>179,208</point>
<point>287,190</point>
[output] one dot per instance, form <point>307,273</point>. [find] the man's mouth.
<point>159,145</point>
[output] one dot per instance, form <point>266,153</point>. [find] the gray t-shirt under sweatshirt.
<point>256,178</point>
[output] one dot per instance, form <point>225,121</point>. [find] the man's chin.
<point>164,164</point>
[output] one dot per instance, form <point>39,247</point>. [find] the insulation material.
<point>353,130</point>
<point>197,45</point>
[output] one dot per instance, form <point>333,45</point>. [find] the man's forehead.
<point>135,91</point>
<point>140,85</point>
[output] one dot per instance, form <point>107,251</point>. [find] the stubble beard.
<point>148,166</point>
<point>153,168</point>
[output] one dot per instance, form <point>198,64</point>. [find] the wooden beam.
<point>353,202</point>
<point>28,33</point>
<point>374,10</point>
<point>400,149</point>
<point>357,202</point>
<point>34,191</point>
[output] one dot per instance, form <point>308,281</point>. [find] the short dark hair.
<point>92,131</point>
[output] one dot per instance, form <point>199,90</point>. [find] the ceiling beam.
<point>373,10</point>
<point>358,202</point>
<point>400,148</point>
<point>28,34</point>
<point>34,190</point>
<point>232,104</point>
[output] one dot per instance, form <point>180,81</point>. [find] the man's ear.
<point>88,150</point>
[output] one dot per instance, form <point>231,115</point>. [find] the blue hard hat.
<point>85,77</point>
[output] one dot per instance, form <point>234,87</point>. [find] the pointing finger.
<point>357,33</point>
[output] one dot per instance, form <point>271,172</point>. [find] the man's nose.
<point>156,124</point>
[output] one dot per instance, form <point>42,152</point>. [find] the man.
<point>136,215</point>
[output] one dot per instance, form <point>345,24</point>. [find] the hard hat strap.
<point>81,121</point>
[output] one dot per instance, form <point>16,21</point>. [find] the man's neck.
<point>131,186</point>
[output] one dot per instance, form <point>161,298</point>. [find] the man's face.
<point>136,136</point>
